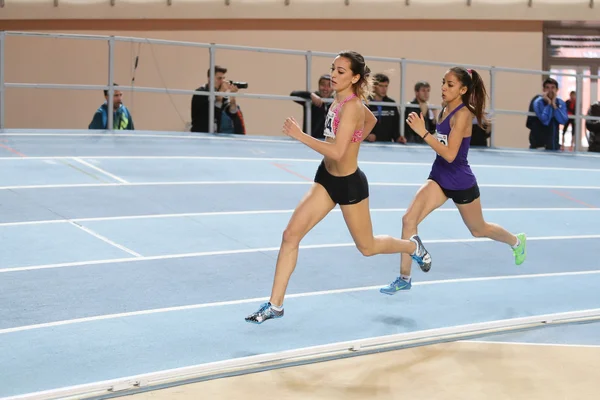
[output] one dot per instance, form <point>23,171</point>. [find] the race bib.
<point>443,139</point>
<point>328,131</point>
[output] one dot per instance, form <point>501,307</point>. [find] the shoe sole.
<point>393,293</point>
<point>261,322</point>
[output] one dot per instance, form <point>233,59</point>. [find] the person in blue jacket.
<point>122,119</point>
<point>551,111</point>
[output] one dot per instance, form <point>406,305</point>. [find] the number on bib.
<point>328,126</point>
<point>443,139</point>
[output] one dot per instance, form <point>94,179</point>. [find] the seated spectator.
<point>318,109</point>
<point>422,90</point>
<point>224,106</point>
<point>387,128</point>
<point>122,119</point>
<point>593,128</point>
<point>479,135</point>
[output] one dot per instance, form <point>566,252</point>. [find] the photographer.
<point>228,116</point>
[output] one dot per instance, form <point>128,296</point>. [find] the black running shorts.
<point>343,190</point>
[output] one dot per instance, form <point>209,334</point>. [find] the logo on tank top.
<point>328,132</point>
<point>443,139</point>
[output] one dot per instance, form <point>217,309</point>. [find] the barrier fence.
<point>402,63</point>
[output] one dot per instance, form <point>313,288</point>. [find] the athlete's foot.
<point>520,251</point>
<point>396,286</point>
<point>421,255</point>
<point>265,312</point>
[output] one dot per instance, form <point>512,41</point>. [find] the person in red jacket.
<point>570,111</point>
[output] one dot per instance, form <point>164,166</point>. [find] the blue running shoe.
<point>421,255</point>
<point>396,286</point>
<point>264,313</point>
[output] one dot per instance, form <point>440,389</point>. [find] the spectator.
<point>387,128</point>
<point>479,135</point>
<point>570,112</point>
<point>318,109</point>
<point>551,112</point>
<point>422,90</point>
<point>232,119</point>
<point>224,106</point>
<point>122,119</point>
<point>594,128</point>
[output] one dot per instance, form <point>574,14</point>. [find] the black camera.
<point>239,85</point>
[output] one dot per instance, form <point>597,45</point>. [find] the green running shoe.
<point>520,251</point>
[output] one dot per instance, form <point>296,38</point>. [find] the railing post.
<point>111,80</point>
<point>492,106</point>
<point>2,88</point>
<point>578,108</point>
<point>402,97</point>
<point>308,103</point>
<point>211,89</point>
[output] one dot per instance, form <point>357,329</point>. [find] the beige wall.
<point>85,62</point>
<point>548,10</point>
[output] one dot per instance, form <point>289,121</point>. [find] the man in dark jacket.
<point>593,128</point>
<point>420,104</point>
<point>223,105</point>
<point>387,128</point>
<point>318,108</point>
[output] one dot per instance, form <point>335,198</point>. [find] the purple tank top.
<point>456,175</point>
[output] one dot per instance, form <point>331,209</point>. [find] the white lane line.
<point>259,250</point>
<point>293,295</point>
<point>171,183</point>
<point>263,212</point>
<point>277,159</point>
<point>92,166</point>
<point>300,182</point>
<point>105,239</point>
<point>286,141</point>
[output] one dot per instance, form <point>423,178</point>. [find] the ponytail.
<point>364,87</point>
<point>475,97</point>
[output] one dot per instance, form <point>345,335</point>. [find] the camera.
<point>239,85</point>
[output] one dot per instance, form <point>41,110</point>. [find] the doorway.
<point>574,50</point>
<point>568,85</point>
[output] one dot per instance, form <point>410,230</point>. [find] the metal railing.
<point>402,63</point>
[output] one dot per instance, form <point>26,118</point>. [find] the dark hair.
<point>475,96</point>
<point>421,84</point>
<point>380,78</point>
<point>218,68</point>
<point>550,81</point>
<point>325,77</point>
<point>364,87</point>
<point>106,90</point>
